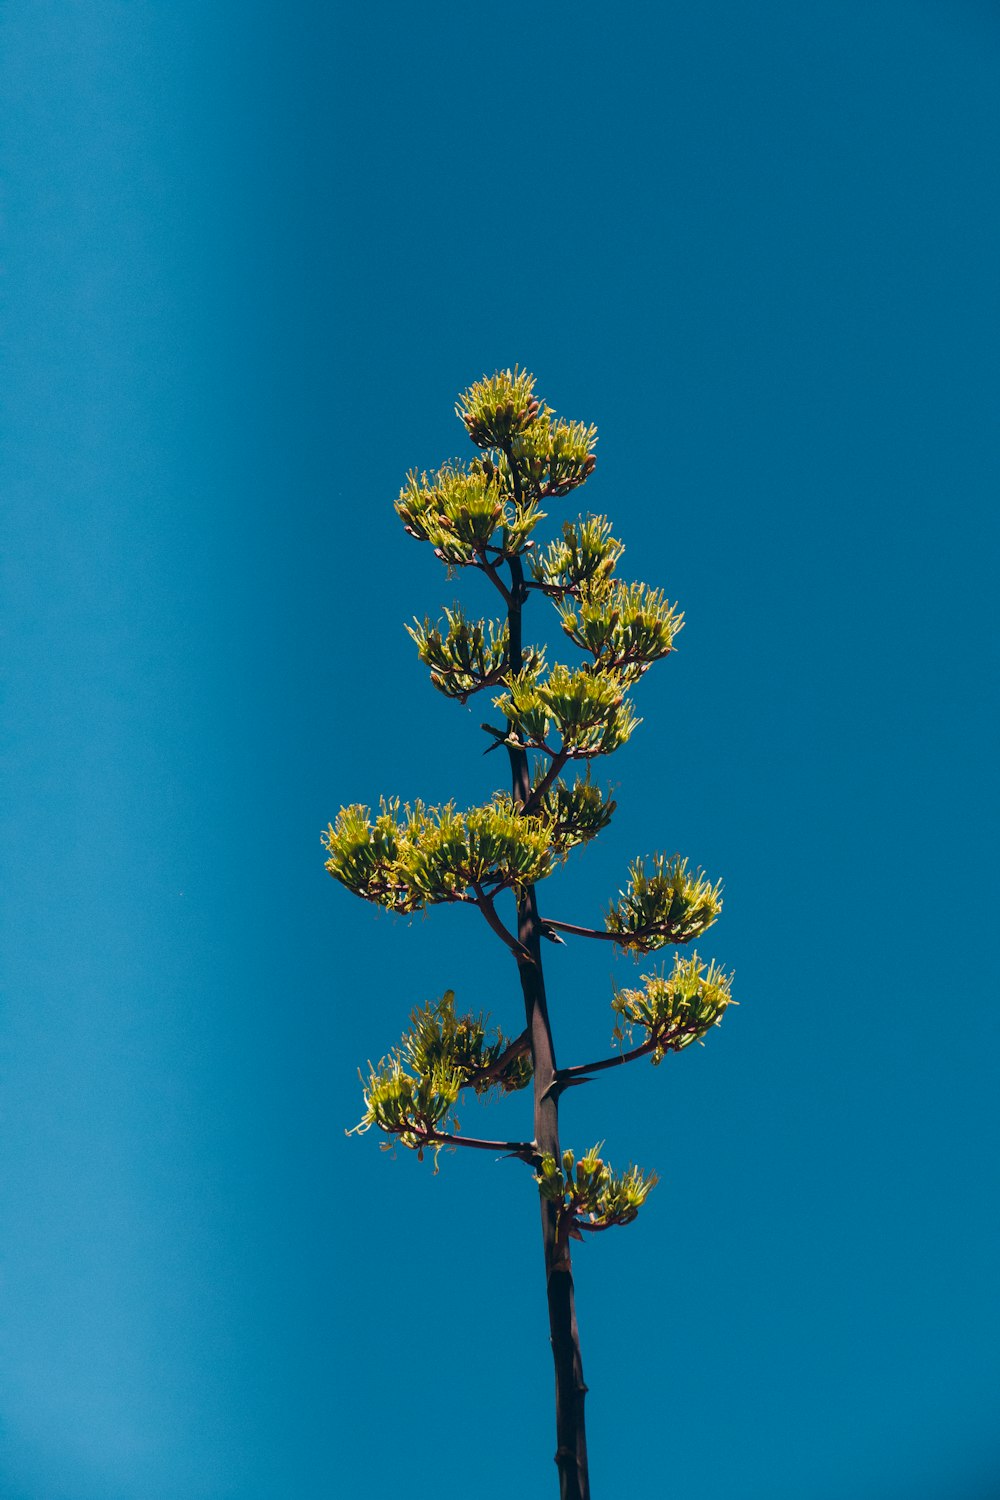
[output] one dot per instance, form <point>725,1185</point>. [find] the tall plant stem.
<point>571,1437</point>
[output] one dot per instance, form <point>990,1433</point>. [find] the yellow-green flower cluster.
<point>498,407</point>
<point>363,852</point>
<point>625,626</point>
<point>407,1107</point>
<point>464,512</point>
<point>575,814</point>
<point>467,655</point>
<point>590,712</point>
<point>438,1036</point>
<point>667,904</point>
<point>408,858</point>
<point>676,1009</point>
<point>585,554</point>
<point>552,457</point>
<point>411,1093</point>
<point>589,1193</point>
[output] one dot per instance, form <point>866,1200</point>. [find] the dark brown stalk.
<point>571,1390</point>
<point>566,1077</point>
<point>523,1149</point>
<point>633,939</point>
<point>489,911</point>
<point>591,932</point>
<point>535,800</point>
<point>581,1072</point>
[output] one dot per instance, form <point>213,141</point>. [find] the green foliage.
<point>411,1094</point>
<point>590,712</point>
<point>585,554</point>
<point>677,1009</point>
<point>625,626</point>
<point>428,855</point>
<point>667,905</point>
<point>589,1194</point>
<point>574,814</point>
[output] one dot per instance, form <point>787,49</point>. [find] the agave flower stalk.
<point>481,517</point>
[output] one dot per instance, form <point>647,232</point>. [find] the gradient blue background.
<point>252,254</point>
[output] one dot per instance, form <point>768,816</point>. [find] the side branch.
<point>567,1077</point>
<point>519,1047</point>
<point>628,939</point>
<point>489,911</point>
<point>525,1151</point>
<point>549,926</point>
<point>535,800</point>
<point>662,1037</point>
<point>490,569</point>
<point>481,561</point>
<point>554,590</point>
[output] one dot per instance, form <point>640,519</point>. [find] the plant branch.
<point>661,1037</point>
<point>523,1150</point>
<point>554,590</point>
<point>489,911</point>
<point>591,932</point>
<point>517,1048</point>
<point>483,680</point>
<point>535,800</point>
<point>635,937</point>
<point>491,572</point>
<point>581,1072</point>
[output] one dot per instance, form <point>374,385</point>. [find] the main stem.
<point>571,1437</point>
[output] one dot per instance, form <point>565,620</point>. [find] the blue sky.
<point>251,257</point>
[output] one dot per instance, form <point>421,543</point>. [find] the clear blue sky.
<point>252,253</point>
